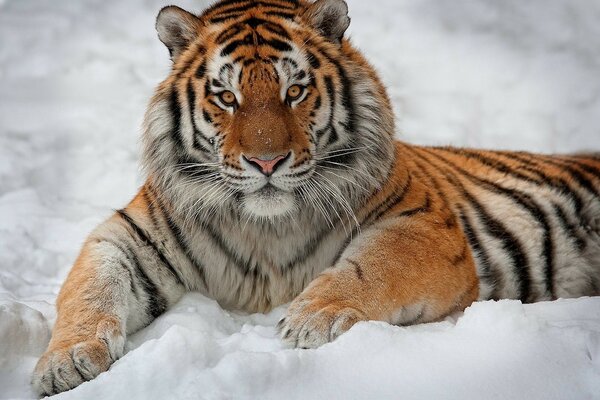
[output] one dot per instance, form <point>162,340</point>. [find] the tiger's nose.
<point>267,166</point>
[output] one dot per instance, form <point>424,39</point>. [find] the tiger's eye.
<point>294,92</point>
<point>228,98</point>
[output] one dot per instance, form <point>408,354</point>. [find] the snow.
<point>74,81</point>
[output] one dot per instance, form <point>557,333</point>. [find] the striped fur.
<point>351,226</point>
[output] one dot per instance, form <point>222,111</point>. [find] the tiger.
<point>273,176</point>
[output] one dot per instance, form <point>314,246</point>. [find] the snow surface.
<point>74,81</point>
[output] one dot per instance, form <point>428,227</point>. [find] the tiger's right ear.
<point>329,17</point>
<point>176,28</point>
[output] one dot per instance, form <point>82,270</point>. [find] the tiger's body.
<point>273,176</point>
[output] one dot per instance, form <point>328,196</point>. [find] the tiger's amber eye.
<point>294,92</point>
<point>228,98</point>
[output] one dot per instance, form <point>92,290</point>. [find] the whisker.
<point>336,155</point>
<point>334,196</point>
<point>334,190</point>
<point>329,171</point>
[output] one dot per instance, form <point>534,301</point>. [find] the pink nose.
<point>267,167</point>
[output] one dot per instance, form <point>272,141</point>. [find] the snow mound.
<point>496,350</point>
<point>24,335</point>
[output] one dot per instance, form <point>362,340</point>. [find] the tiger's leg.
<point>117,286</point>
<point>411,269</point>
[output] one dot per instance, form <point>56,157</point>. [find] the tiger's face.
<point>259,110</point>
<point>261,107</point>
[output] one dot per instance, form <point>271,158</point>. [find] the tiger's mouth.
<point>269,201</point>
<point>269,190</point>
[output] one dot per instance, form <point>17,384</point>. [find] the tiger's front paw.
<point>313,321</point>
<point>66,367</point>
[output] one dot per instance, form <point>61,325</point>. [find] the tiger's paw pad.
<point>309,326</point>
<point>65,368</point>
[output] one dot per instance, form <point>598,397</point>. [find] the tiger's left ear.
<point>330,17</point>
<point>176,28</point>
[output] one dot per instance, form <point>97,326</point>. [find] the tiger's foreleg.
<point>404,270</point>
<point>117,286</point>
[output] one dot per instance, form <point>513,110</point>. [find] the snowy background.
<point>75,77</point>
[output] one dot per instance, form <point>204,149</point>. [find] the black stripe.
<point>247,63</point>
<point>179,239</point>
<point>572,230</point>
<point>183,69</point>
<point>198,135</point>
<point>330,92</point>
<point>277,30</point>
<point>255,39</point>
<point>554,182</point>
<point>461,257</point>
<point>318,103</point>
<point>191,95</point>
<point>226,73</point>
<point>148,242</point>
<point>450,221</point>
<point>299,174</point>
<point>557,183</point>
<point>313,60</point>
<point>229,33</point>
<point>157,304</point>
<point>292,64</point>
<point>357,269</point>
<point>588,156</point>
<point>281,14</point>
<point>590,169</point>
<point>300,75</point>
<point>309,249</point>
<point>486,272</point>
<point>528,204</point>
<point>425,208</point>
<point>151,210</point>
<point>223,7</point>
<point>226,17</point>
<point>223,4</point>
<point>346,92</point>
<point>333,136</point>
<point>254,22</point>
<point>233,46</point>
<point>389,203</point>
<point>214,104</point>
<point>175,111</point>
<point>277,44</point>
<point>245,266</point>
<point>576,174</point>
<point>207,116</point>
<point>347,100</point>
<point>201,71</point>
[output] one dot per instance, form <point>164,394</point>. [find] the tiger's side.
<point>273,176</point>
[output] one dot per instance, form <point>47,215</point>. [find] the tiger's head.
<point>268,109</point>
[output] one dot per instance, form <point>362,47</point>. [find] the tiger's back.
<point>532,221</point>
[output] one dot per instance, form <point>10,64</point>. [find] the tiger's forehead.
<point>253,35</point>
<point>226,10</point>
<point>251,45</point>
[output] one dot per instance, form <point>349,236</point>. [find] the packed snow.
<point>74,81</point>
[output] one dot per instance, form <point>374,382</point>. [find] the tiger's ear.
<point>330,17</point>
<point>176,28</point>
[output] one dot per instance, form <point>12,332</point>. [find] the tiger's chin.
<point>269,202</point>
